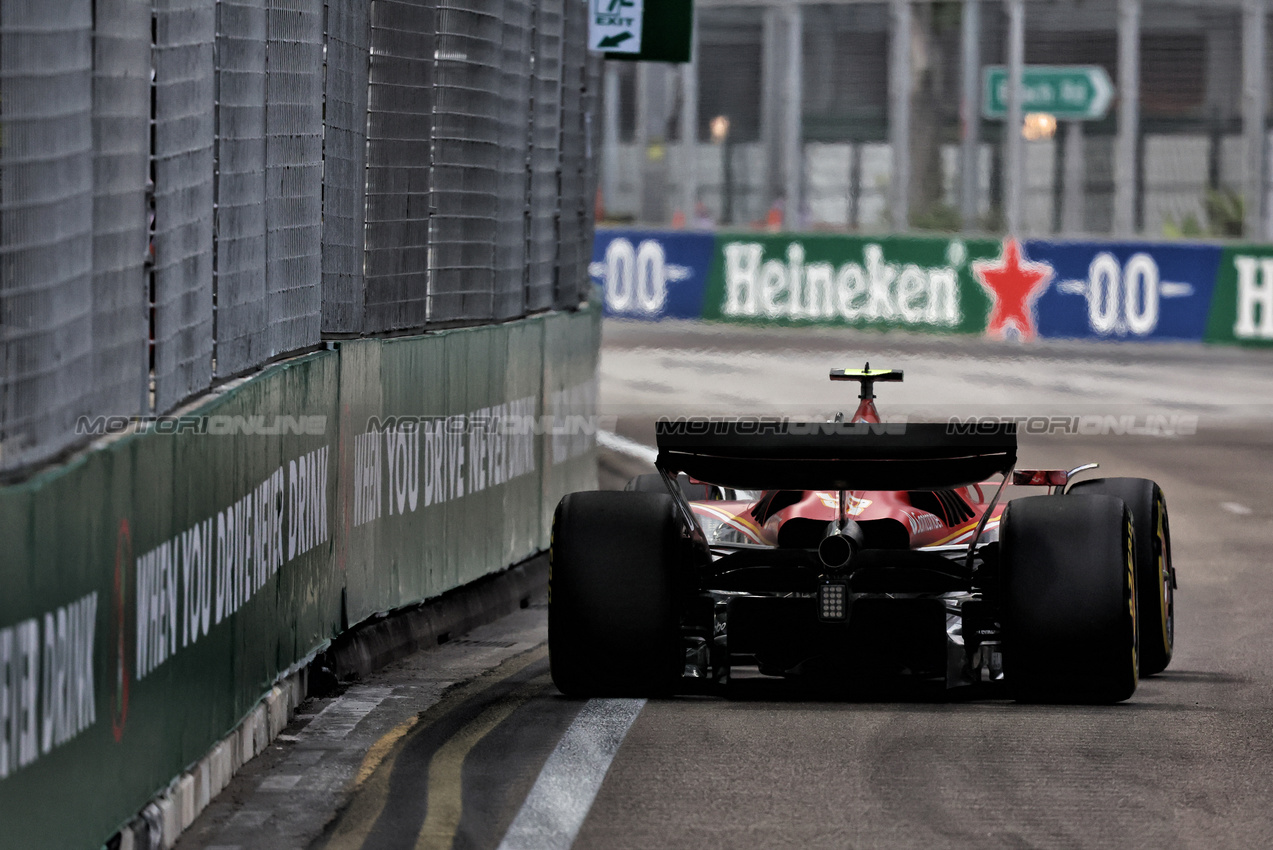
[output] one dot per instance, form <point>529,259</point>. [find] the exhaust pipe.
<point>838,548</point>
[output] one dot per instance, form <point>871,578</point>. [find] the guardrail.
<point>156,588</point>
<point>1214,293</point>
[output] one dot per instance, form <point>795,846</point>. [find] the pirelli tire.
<point>1155,576</point>
<point>1068,598</point>
<point>614,595</point>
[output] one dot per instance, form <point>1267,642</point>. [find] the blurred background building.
<point>866,115</point>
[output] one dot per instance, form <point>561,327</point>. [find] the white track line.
<point>558,803</point>
<point>1236,508</point>
<point>615,443</point>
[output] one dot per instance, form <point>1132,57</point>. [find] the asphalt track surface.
<point>469,745</point>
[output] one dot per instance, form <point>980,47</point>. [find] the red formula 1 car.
<point>864,551</point>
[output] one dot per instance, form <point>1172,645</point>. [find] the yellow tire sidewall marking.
<point>1160,531</point>
<point>1131,602</point>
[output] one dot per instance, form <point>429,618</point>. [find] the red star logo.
<point>1013,286</point>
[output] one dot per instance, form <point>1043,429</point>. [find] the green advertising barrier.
<point>442,460</point>
<point>166,580</point>
<point>1242,304</point>
<point>886,282</point>
<point>570,399</point>
<point>156,588</point>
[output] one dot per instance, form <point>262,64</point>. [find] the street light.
<point>1038,125</point>
<point>720,128</point>
<point>720,136</point>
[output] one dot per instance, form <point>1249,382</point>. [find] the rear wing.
<point>782,455</point>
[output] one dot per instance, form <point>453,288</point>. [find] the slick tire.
<point>1069,599</point>
<point>614,595</point>
<point>652,482</point>
<point>1155,579</point>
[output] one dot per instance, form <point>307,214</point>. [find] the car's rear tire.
<point>614,595</point>
<point>1156,601</point>
<point>1068,590</point>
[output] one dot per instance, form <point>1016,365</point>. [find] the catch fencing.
<point>46,222</point>
<point>876,116</point>
<point>190,189</point>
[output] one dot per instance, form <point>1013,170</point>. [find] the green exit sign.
<point>1070,92</point>
<point>667,27</point>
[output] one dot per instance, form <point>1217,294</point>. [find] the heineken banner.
<point>994,287</point>
<point>156,587</point>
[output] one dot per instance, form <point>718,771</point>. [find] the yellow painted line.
<point>381,748</point>
<point>445,794</point>
<point>372,791</point>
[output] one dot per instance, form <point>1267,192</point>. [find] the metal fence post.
<point>1014,161</point>
<point>1072,186</point>
<point>970,112</point>
<point>689,128</point>
<point>610,138</point>
<point>641,130</point>
<point>653,85</point>
<point>1128,117</point>
<point>792,132</point>
<point>769,178</point>
<point>899,113</point>
<point>1253,121</point>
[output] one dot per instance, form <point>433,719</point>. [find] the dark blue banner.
<point>1124,290</point>
<point>652,275</point>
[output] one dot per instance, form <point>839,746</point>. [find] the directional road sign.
<point>614,26</point>
<point>1070,92</point>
